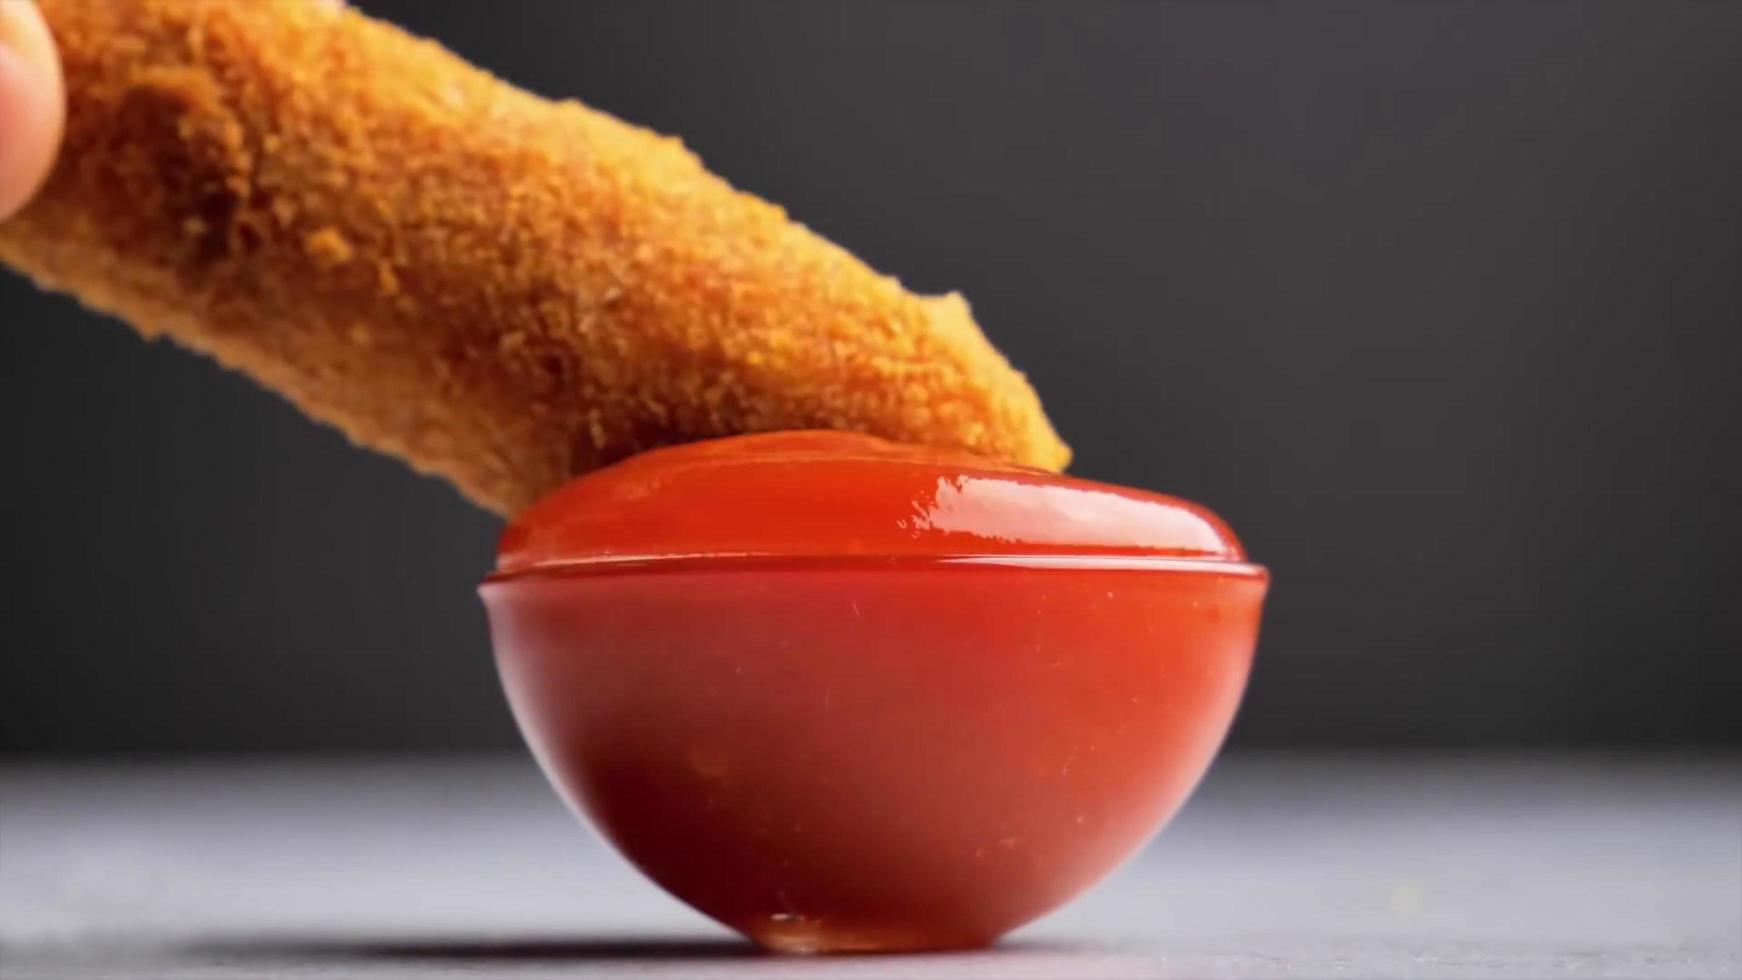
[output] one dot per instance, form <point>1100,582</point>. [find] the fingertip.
<point>32,103</point>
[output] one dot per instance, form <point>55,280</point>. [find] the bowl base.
<point>806,936</point>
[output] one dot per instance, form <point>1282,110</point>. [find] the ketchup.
<point>841,694</point>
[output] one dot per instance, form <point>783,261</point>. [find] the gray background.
<point>1438,304</point>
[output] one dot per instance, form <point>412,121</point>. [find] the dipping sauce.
<point>840,694</point>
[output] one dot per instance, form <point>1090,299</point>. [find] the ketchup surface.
<point>834,494</point>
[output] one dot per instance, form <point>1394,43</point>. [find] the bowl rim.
<point>714,561</point>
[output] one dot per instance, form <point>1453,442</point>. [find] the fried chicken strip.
<point>502,290</point>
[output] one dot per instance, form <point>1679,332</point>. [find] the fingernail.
<point>25,37</point>
<point>14,31</point>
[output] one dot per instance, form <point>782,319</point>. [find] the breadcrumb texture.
<point>502,290</point>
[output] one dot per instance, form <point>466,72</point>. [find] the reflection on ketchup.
<point>841,694</point>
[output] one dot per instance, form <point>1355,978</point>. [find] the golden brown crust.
<point>503,290</point>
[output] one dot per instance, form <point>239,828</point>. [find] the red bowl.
<point>888,748</point>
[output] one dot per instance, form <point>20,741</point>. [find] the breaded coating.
<point>502,290</point>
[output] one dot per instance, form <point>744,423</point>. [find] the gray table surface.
<point>1281,866</point>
